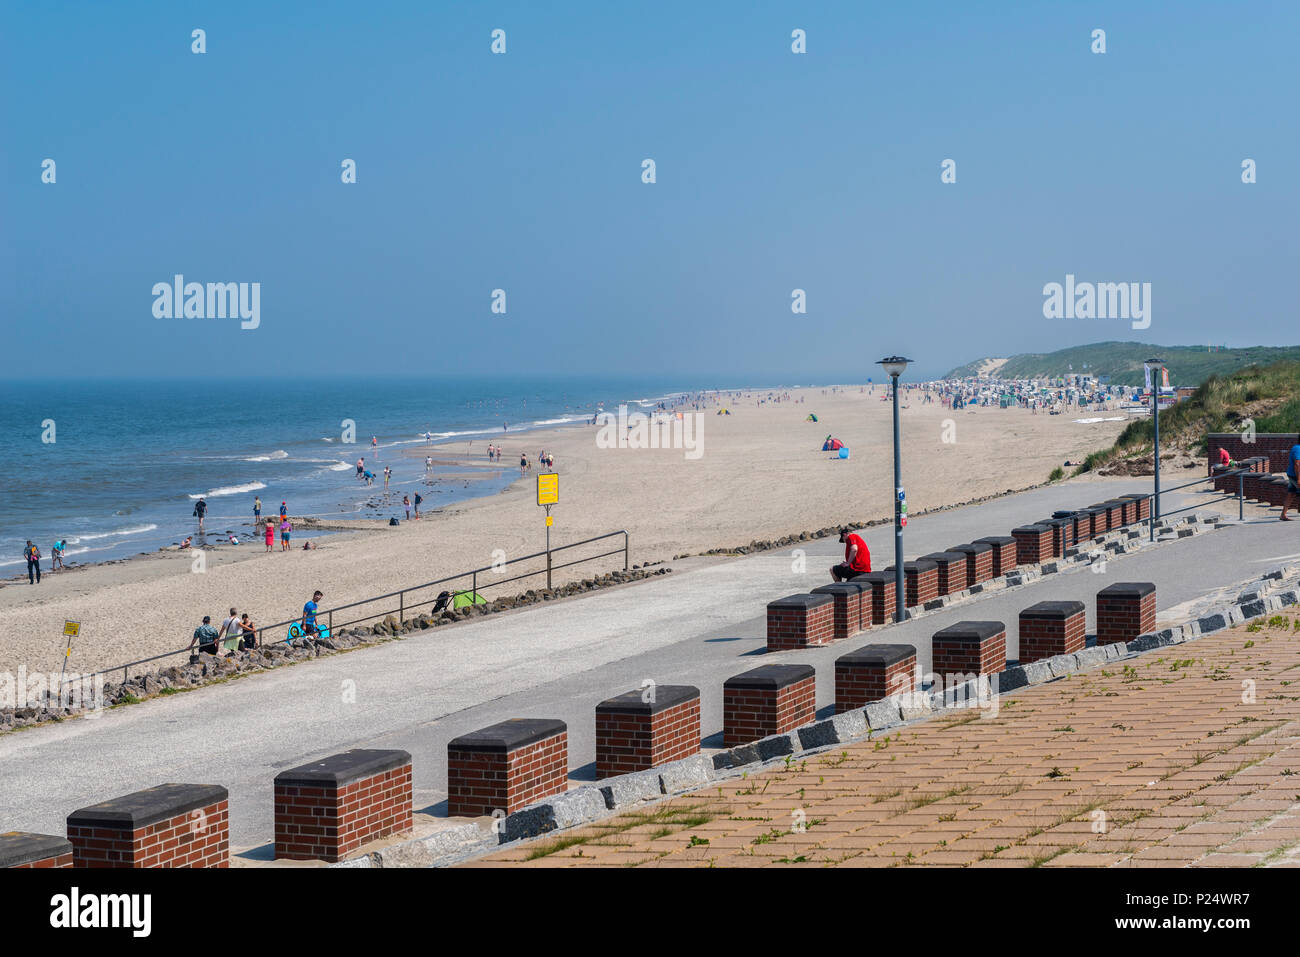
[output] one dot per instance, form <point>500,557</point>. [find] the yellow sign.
<point>548,488</point>
<point>549,521</point>
<point>72,628</point>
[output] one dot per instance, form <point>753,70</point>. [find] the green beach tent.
<point>463,599</point>
<point>812,417</point>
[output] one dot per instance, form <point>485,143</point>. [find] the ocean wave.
<point>122,532</point>
<point>340,467</point>
<point>231,490</point>
<point>277,454</point>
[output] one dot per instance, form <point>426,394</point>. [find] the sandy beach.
<point>760,473</point>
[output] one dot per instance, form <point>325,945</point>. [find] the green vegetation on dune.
<point>1122,362</point>
<point>1269,395</point>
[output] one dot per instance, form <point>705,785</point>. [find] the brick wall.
<point>1124,611</point>
<point>979,561</point>
<point>969,647</point>
<point>1274,446</point>
<point>1143,505</point>
<point>847,598</point>
<point>507,766</point>
<point>633,734</point>
<point>1052,628</point>
<point>172,825</point>
<point>920,582</point>
<point>1033,544</point>
<point>800,621</point>
<point>882,596</point>
<point>327,809</point>
<point>1002,548</point>
<point>951,569</point>
<point>770,699</point>
<point>871,673</point>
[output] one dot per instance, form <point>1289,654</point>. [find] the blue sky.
<point>522,171</point>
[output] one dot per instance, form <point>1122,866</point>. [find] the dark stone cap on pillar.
<point>841,588</point>
<point>945,558</point>
<point>1136,496</point>
<point>969,631</point>
<point>771,677</point>
<point>24,847</point>
<point>1054,610</point>
<point>665,696</point>
<point>874,578</point>
<point>1127,590</point>
<point>972,548</point>
<point>142,808</point>
<point>509,735</point>
<point>920,565</point>
<point>1063,514</point>
<point>801,602</point>
<point>341,769</point>
<point>1029,530</point>
<point>996,540</point>
<point>879,656</point>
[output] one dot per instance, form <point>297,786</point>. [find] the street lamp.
<point>895,366</point>
<point>1153,367</point>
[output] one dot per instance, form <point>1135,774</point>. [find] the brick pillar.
<point>969,647</point>
<point>1101,518</point>
<point>770,699</point>
<point>507,766</point>
<point>171,825</point>
<point>1124,611</point>
<point>1115,512</point>
<point>882,595</point>
<point>871,673</point>
<point>1052,628</point>
<point>27,850</point>
<point>1033,544</point>
<point>1128,510</point>
<point>920,582</point>
<point>1144,502</point>
<point>847,610</point>
<point>951,568</point>
<point>800,621</point>
<point>1003,548</point>
<point>633,734</point>
<point>979,561</point>
<point>1062,534</point>
<point>327,809</point>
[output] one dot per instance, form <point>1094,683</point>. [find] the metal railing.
<point>405,603</point>
<point>1156,512</point>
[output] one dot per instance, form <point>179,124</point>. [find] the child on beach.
<point>406,504</point>
<point>285,529</point>
<point>270,534</point>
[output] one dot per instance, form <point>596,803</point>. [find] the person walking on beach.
<point>206,636</point>
<point>523,463</point>
<point>388,473</point>
<point>309,614</point>
<point>270,534</point>
<point>857,557</point>
<point>418,500</point>
<point>33,556</point>
<point>406,504</point>
<point>201,509</point>
<point>257,510</point>
<point>285,529</point>
<point>428,463</point>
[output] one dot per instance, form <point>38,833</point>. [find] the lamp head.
<point>894,365</point>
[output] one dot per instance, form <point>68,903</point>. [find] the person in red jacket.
<point>857,557</point>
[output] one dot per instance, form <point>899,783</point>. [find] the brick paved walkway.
<point>1167,759</point>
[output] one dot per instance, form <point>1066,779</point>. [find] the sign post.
<point>548,494</point>
<point>71,629</point>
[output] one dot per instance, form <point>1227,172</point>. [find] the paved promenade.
<point>697,626</point>
<point>1163,760</point>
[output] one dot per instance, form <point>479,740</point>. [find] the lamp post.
<point>1153,367</point>
<point>894,366</point>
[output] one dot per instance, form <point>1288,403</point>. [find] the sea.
<point>114,467</point>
